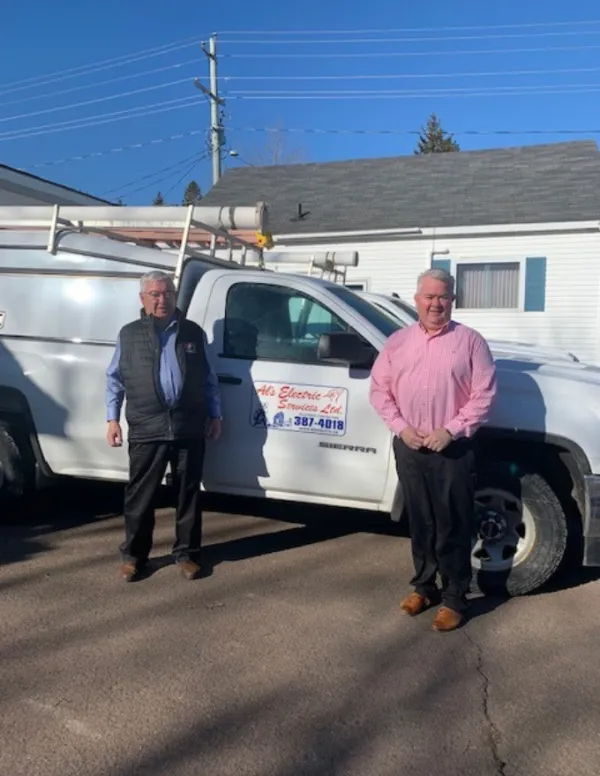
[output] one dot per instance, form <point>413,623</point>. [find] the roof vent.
<point>301,214</point>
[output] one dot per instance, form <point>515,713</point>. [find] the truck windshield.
<point>377,317</point>
<point>406,308</point>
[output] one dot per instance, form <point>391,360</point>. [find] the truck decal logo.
<point>305,409</point>
<point>348,448</point>
<point>2,317</point>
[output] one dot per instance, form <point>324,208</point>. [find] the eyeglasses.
<point>159,294</point>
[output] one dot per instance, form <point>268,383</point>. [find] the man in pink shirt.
<point>433,384</point>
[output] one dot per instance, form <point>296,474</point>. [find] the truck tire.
<point>520,534</point>
<point>13,478</point>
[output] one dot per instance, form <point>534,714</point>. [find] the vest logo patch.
<point>189,347</point>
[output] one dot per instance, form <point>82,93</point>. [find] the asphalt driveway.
<point>288,658</point>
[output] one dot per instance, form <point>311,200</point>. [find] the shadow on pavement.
<point>25,529</point>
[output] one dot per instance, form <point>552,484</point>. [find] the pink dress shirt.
<point>430,381</point>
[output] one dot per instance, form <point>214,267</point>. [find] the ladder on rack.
<point>218,234</point>
<point>194,230</point>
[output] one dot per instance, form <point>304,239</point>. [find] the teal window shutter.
<point>535,284</point>
<point>444,264</point>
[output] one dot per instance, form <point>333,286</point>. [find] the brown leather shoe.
<point>414,604</point>
<point>447,619</point>
<point>128,571</point>
<point>189,569</point>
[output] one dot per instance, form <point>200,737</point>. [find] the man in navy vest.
<point>172,406</point>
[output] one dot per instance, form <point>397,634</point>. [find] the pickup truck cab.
<point>293,355</point>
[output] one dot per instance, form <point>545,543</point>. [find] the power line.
<point>170,171</point>
<point>385,76</point>
<point>510,92</point>
<point>526,89</point>
<point>381,54</point>
<point>92,121</point>
<point>430,39</point>
<point>158,182</point>
<point>36,81</point>
<point>404,132</point>
<point>125,186</point>
<point>154,108</point>
<point>527,25</point>
<point>87,119</point>
<point>118,149</point>
<point>101,83</point>
<point>96,100</point>
<point>185,174</point>
<point>397,132</point>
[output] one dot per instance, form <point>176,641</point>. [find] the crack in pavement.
<point>494,735</point>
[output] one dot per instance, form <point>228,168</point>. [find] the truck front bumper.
<point>591,521</point>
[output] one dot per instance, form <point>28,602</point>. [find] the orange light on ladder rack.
<point>264,239</point>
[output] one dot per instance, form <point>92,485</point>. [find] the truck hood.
<point>512,363</point>
<point>529,352</point>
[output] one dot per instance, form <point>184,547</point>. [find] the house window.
<point>359,285</point>
<point>487,286</point>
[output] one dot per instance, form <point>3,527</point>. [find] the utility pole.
<point>215,102</point>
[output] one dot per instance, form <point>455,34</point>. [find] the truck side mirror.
<point>345,348</point>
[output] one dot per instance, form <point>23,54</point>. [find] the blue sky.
<point>490,72</point>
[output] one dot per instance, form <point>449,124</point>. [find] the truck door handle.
<point>230,380</point>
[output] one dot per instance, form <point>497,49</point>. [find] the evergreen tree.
<point>192,194</point>
<point>434,139</point>
<point>158,200</point>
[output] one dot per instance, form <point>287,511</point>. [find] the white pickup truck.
<point>293,355</point>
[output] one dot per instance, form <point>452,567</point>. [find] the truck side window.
<point>275,323</point>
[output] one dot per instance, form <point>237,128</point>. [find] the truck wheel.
<point>521,532</point>
<point>12,469</point>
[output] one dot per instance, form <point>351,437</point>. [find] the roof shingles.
<point>530,184</point>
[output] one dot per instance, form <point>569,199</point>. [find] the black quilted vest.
<point>148,416</point>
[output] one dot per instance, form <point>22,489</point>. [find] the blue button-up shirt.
<point>170,377</point>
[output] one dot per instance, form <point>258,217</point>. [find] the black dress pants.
<point>439,496</point>
<point>147,465</point>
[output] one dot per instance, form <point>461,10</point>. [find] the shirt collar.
<point>450,326</point>
<point>171,326</point>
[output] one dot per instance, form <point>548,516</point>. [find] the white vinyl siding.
<point>572,274</point>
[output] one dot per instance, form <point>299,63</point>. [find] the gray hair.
<point>156,276</point>
<point>438,274</point>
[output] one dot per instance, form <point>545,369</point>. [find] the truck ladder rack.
<point>194,231</point>
<point>176,227</point>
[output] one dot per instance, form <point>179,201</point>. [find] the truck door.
<point>294,426</point>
